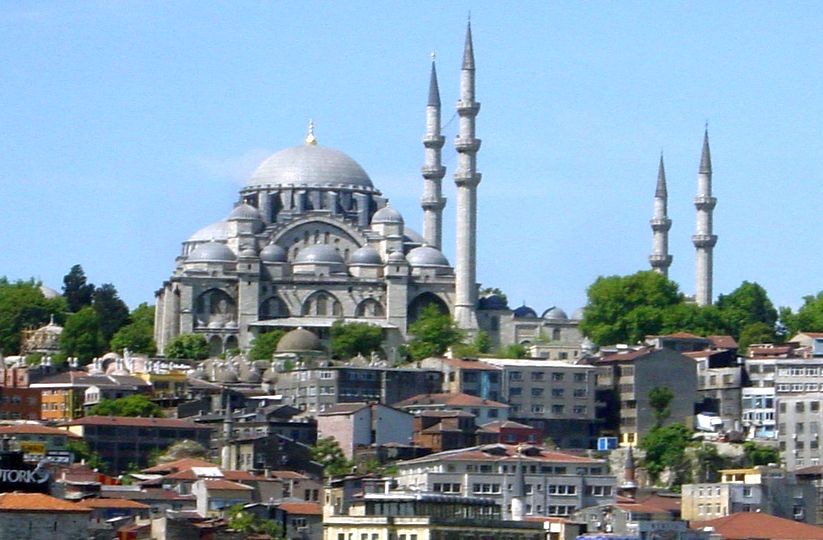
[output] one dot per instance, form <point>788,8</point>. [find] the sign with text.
<point>17,475</point>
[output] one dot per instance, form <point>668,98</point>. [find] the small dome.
<point>212,252</point>
<point>556,314</point>
<point>387,214</point>
<point>492,301</point>
<point>396,257</point>
<point>298,340</point>
<point>578,314</point>
<point>270,376</point>
<point>365,255</point>
<point>319,254</point>
<point>48,292</point>
<point>426,256</point>
<point>524,311</point>
<point>227,375</point>
<point>248,251</point>
<point>215,231</point>
<point>311,165</point>
<point>244,212</point>
<point>273,254</point>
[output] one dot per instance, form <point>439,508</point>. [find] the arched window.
<point>273,308</point>
<point>215,308</point>
<point>322,304</point>
<point>370,308</point>
<point>556,334</point>
<point>421,302</point>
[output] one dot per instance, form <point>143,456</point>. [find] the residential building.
<point>624,380</point>
<point>758,413</point>
<point>749,525</point>
<point>484,410</point>
<point>799,418</point>
<point>63,396</point>
<point>553,396</point>
<point>646,518</point>
<point>813,476</point>
<point>123,442</point>
<point>507,432</point>
<point>37,441</point>
<point>556,483</point>
<point>216,496</point>
<point>444,430</point>
<point>356,425</point>
<point>810,342</point>
<point>299,520</point>
<point>766,489</point>
<point>36,515</point>
<point>315,390</point>
<point>467,376</point>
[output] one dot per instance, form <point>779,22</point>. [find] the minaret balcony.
<point>433,173</point>
<point>661,224</point>
<point>704,240</point>
<point>466,179</point>
<point>468,108</point>
<point>660,261</point>
<point>434,141</point>
<point>705,202</point>
<point>467,145</point>
<point>430,203</point>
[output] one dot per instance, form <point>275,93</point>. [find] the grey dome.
<point>227,375</point>
<point>212,252</point>
<point>412,237</point>
<point>397,257</point>
<point>555,313</point>
<point>48,292</point>
<point>270,376</point>
<point>274,254</point>
<point>492,301</point>
<point>313,166</point>
<point>298,340</point>
<point>244,212</point>
<point>426,256</point>
<point>387,214</point>
<point>319,254</point>
<point>365,255</point>
<point>215,231</point>
<point>524,312</point>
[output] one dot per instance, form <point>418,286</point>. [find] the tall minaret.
<point>466,177</point>
<point>433,201</point>
<point>703,239</point>
<point>660,258</point>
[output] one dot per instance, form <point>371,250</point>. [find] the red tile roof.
<point>291,475</point>
<point>36,429</point>
<point>134,421</point>
<point>189,474</point>
<point>625,355</point>
<point>508,453</point>
<point>683,335</point>
<point>745,525</point>
<point>471,364</point>
<point>225,485</point>
<point>306,509</point>
<point>456,399</point>
<point>112,503</point>
<point>723,342</point>
<point>811,334</point>
<point>36,502</point>
<point>495,427</point>
<point>178,465</point>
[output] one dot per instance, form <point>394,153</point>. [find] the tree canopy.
<point>660,397</point>
<point>328,453</point>
<point>81,335</point>
<point>22,306</point>
<point>135,405</point>
<point>112,312</point>
<point>433,332</point>
<point>77,292</point>
<point>746,305</point>
<point>809,317</point>
<point>265,345</point>
<point>138,334</point>
<point>188,346</point>
<point>665,447</point>
<point>350,339</point>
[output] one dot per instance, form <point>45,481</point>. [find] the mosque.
<point>312,241</point>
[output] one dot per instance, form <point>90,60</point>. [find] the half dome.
<point>215,231</point>
<point>212,252</point>
<point>319,254</point>
<point>387,214</point>
<point>310,165</point>
<point>243,212</point>
<point>426,256</point>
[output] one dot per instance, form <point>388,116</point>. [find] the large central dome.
<point>310,165</point>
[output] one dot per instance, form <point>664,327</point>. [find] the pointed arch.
<point>273,307</point>
<point>422,301</point>
<point>215,308</point>
<point>322,304</point>
<point>369,308</point>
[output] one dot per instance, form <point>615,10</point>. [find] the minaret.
<point>228,428</point>
<point>703,239</point>
<point>518,493</point>
<point>433,170</point>
<point>466,177</point>
<point>629,486</point>
<point>660,258</point>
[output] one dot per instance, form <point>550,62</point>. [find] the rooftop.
<point>746,525</point>
<point>36,429</point>
<point>36,502</point>
<point>134,421</point>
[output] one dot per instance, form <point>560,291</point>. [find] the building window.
<point>557,376</point>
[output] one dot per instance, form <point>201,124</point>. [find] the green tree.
<point>709,463</point>
<point>239,519</point>
<point>77,292</point>
<point>665,447</point>
<point>660,398</point>
<point>625,309</point>
<point>135,405</point>
<point>328,453</point>
<point>112,312</point>
<point>488,291</point>
<point>755,333</point>
<point>22,306</point>
<point>182,450</point>
<point>746,305</point>
<point>138,334</point>
<point>81,335</point>
<point>350,339</point>
<point>481,344</point>
<point>433,332</point>
<point>188,346</point>
<point>265,345</point>
<point>758,454</point>
<point>698,320</point>
<point>81,451</point>
<point>809,318</point>
<point>515,350</point>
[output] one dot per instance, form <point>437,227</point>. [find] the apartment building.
<point>468,376</point>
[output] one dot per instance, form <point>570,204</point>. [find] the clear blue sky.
<point>126,126</point>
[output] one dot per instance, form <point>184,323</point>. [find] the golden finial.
<point>310,138</point>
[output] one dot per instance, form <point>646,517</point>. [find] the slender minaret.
<point>660,258</point>
<point>703,239</point>
<point>433,170</point>
<point>228,429</point>
<point>466,177</point>
<point>518,493</point>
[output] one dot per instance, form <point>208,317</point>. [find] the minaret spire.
<point>433,171</point>
<point>467,178</point>
<point>660,259</point>
<point>703,239</point>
